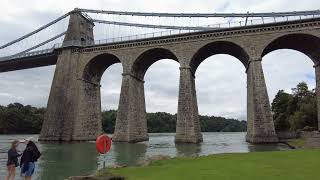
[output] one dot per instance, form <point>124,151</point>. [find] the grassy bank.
<point>282,165</point>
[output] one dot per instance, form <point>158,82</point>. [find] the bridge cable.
<point>151,26</point>
<point>41,44</point>
<point>204,15</point>
<point>35,31</point>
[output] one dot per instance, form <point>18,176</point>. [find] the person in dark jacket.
<point>27,163</point>
<point>12,162</point>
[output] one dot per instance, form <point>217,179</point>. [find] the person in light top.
<point>12,162</point>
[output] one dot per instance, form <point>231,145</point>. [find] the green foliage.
<point>17,119</point>
<point>295,111</point>
<point>164,122</point>
<point>220,124</point>
<point>109,120</point>
<point>161,122</point>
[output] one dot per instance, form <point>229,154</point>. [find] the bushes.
<point>161,122</point>
<point>19,119</point>
<point>295,111</point>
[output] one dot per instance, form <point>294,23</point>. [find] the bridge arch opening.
<point>102,77</point>
<point>304,43</point>
<point>228,57</point>
<point>159,68</point>
<point>218,47</point>
<point>285,65</point>
<point>221,89</point>
<point>95,68</point>
<point>149,57</point>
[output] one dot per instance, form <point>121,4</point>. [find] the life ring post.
<point>103,145</point>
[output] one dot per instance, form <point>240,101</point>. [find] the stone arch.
<point>96,66</point>
<point>218,47</point>
<point>304,43</point>
<point>147,58</point>
<point>90,93</point>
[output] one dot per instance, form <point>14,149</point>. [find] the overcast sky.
<point>219,92</point>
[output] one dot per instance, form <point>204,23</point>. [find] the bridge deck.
<point>28,62</point>
<point>49,57</point>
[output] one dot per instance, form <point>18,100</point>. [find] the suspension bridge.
<point>83,43</point>
<point>119,26</point>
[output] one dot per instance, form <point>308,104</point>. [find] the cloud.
<point>220,80</point>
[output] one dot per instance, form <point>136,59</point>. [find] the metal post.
<point>104,154</point>
<point>246,20</point>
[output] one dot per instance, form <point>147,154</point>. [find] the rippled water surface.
<point>59,161</point>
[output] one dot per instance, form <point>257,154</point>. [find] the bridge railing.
<point>230,24</point>
<point>28,54</point>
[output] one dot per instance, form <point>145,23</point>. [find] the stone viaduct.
<point>74,105</point>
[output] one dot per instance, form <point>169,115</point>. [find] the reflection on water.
<point>188,149</point>
<point>59,161</point>
<point>267,147</point>
<point>128,154</point>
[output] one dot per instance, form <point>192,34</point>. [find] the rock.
<point>309,129</point>
<point>149,160</point>
<point>118,166</point>
<point>82,178</point>
<point>94,178</point>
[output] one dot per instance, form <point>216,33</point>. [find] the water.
<point>59,161</point>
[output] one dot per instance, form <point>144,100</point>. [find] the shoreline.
<point>220,166</point>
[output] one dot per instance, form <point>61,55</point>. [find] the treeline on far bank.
<point>161,122</point>
<point>19,119</point>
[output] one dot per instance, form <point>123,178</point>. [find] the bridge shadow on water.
<point>125,154</point>
<point>267,147</point>
<point>59,161</point>
<point>189,150</point>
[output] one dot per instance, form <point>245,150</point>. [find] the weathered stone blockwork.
<point>188,125</point>
<point>131,124</point>
<point>260,124</point>
<point>74,104</point>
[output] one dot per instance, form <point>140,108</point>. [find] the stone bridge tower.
<point>65,112</point>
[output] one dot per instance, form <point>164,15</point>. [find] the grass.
<point>281,165</point>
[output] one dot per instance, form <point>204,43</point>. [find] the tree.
<point>281,110</point>
<point>19,119</point>
<point>295,111</point>
<point>301,90</point>
<point>161,122</point>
